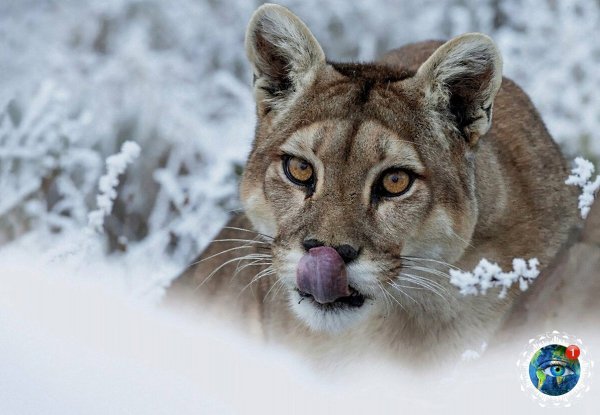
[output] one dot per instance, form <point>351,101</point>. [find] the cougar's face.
<point>358,212</point>
<point>360,174</point>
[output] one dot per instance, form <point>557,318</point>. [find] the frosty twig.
<point>581,176</point>
<point>115,166</point>
<point>488,275</point>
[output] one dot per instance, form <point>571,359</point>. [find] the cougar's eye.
<point>298,170</point>
<point>393,182</point>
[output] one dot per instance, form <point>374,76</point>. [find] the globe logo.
<point>554,369</point>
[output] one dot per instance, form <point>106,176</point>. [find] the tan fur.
<point>487,187</point>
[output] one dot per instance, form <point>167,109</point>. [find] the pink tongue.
<point>322,273</point>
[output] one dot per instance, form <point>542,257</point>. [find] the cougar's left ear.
<point>284,55</point>
<point>461,79</point>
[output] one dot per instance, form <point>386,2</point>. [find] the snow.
<point>581,176</point>
<point>115,166</point>
<point>73,346</point>
<point>470,354</point>
<point>80,79</point>
<point>487,275</point>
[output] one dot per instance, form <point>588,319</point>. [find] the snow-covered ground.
<point>71,346</point>
<point>80,78</point>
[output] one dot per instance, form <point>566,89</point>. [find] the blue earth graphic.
<point>551,372</point>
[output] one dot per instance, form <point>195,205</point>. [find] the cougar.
<point>366,183</point>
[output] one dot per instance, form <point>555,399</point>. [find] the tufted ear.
<point>461,79</point>
<point>284,55</point>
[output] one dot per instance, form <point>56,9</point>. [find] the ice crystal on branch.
<point>46,165</point>
<point>115,166</point>
<point>581,176</point>
<point>487,275</point>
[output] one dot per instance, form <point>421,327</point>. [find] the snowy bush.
<point>79,79</point>
<point>487,275</point>
<point>581,176</point>
<point>115,166</point>
<point>46,168</point>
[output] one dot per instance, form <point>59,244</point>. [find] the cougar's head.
<point>363,173</point>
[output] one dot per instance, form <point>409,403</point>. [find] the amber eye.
<point>394,183</point>
<point>298,170</point>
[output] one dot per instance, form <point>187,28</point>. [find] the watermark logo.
<point>555,369</point>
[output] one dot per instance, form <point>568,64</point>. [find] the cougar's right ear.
<point>284,55</point>
<point>461,78</point>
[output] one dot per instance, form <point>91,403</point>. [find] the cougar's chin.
<point>334,317</point>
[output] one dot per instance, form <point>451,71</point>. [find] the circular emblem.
<point>551,372</point>
<point>555,369</point>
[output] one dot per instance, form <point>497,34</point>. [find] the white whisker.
<point>437,261</point>
<point>219,253</point>
<point>424,284</point>
<point>261,274</point>
<point>275,284</point>
<point>250,241</point>
<point>460,238</point>
<point>255,263</point>
<point>398,288</point>
<point>242,258</point>
<point>426,281</point>
<point>432,271</point>
<point>392,297</point>
<point>386,296</point>
<point>247,230</point>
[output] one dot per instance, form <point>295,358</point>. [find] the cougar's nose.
<point>311,243</point>
<point>347,252</point>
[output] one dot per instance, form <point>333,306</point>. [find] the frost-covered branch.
<point>581,176</point>
<point>107,186</point>
<point>487,275</point>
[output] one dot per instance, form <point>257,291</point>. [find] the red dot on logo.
<point>573,352</point>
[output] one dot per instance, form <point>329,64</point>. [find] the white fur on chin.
<point>331,321</point>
